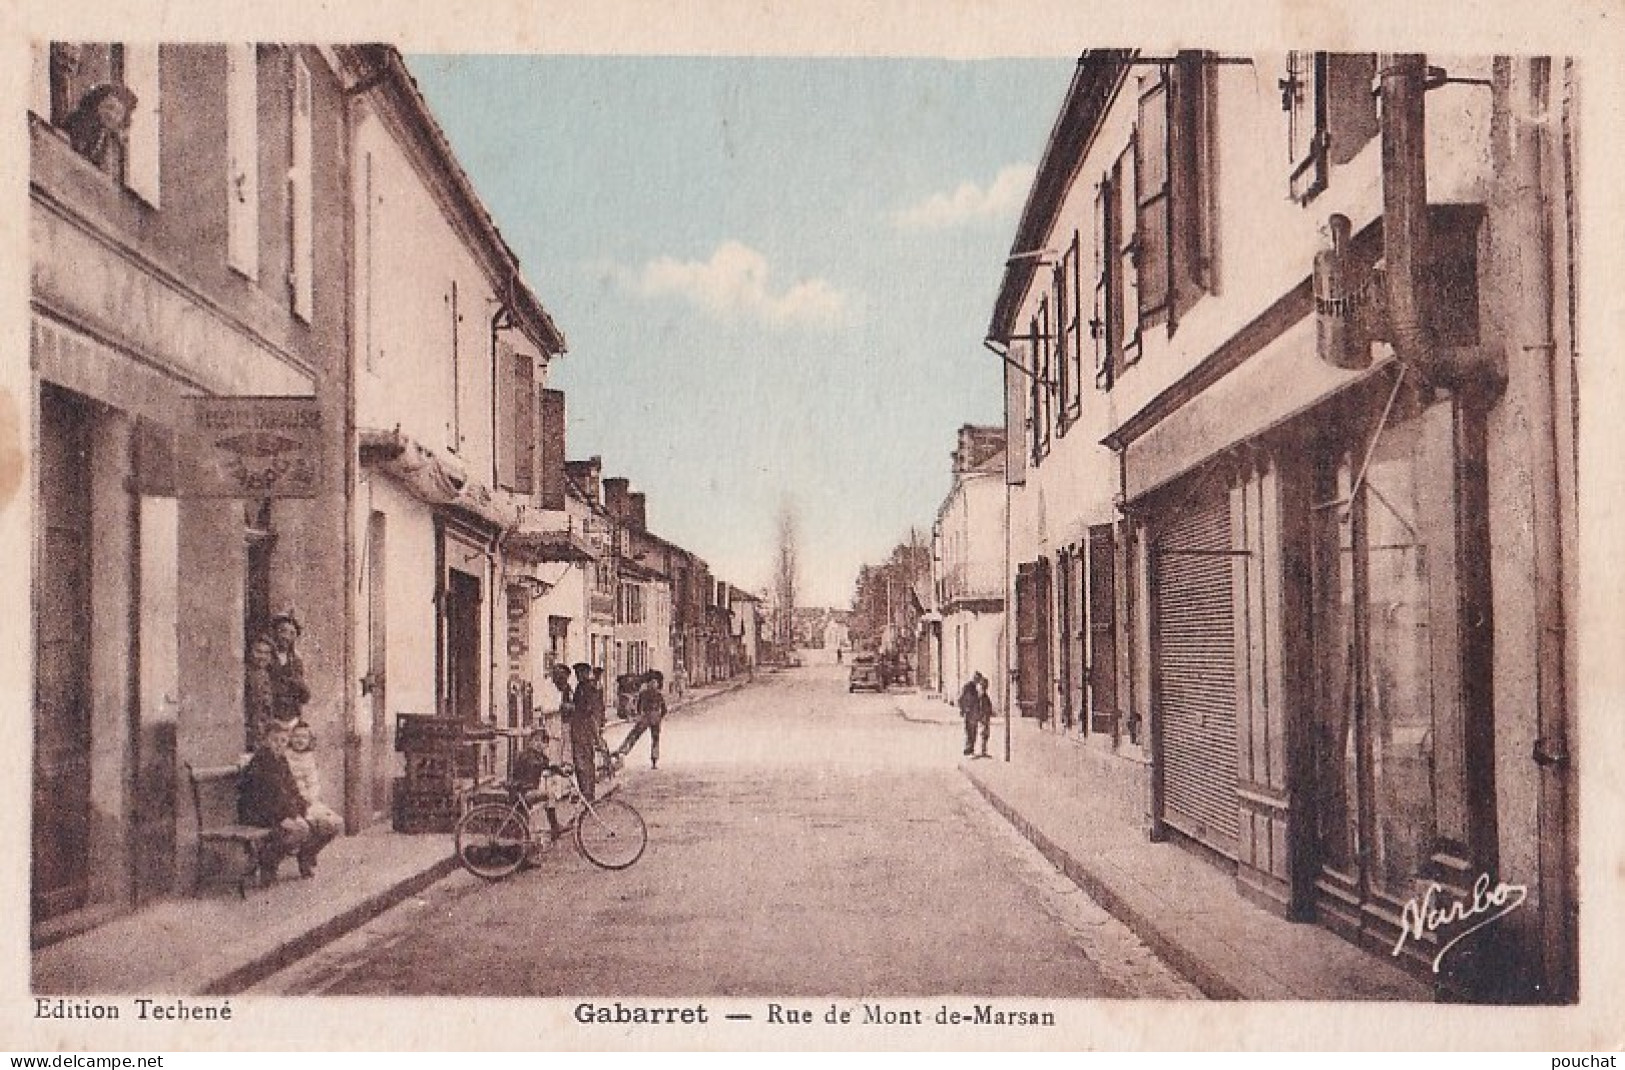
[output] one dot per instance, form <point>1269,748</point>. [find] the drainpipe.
<point>1526,104</point>
<point>1404,209</point>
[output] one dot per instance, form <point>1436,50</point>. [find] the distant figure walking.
<point>977,710</point>
<point>651,710</point>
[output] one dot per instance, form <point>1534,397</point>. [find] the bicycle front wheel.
<point>492,841</point>
<point>611,834</point>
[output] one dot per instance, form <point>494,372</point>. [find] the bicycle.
<point>494,839</point>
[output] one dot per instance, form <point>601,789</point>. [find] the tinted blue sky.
<point>774,275</point>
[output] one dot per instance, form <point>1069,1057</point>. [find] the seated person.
<point>525,775</point>
<point>270,799</point>
<point>301,754</point>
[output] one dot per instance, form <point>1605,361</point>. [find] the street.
<point>803,841</point>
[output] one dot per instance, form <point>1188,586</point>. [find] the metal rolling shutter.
<point>1196,675</point>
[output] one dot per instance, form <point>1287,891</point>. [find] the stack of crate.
<point>428,798</point>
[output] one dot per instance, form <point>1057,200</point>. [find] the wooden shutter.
<point>1027,677</point>
<point>1102,626</point>
<point>1151,196</point>
<point>143,163</point>
<point>1351,107</point>
<point>1195,673</point>
<point>1101,326</point>
<point>1063,353</point>
<point>1035,392</point>
<point>1190,169</point>
<point>1044,346</point>
<point>302,261</point>
<point>550,463</point>
<point>1125,297</point>
<point>503,354</point>
<point>1302,100</point>
<point>524,423</point>
<point>1073,326</point>
<point>243,162</point>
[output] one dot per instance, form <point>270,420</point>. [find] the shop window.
<point>1331,115</point>
<point>1400,628</point>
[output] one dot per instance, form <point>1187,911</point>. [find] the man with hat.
<point>977,710</point>
<point>585,715</point>
<point>288,690</point>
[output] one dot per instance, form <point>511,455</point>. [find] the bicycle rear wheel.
<point>611,834</point>
<point>492,841</point>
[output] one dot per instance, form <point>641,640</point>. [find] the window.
<point>1154,214</point>
<point>243,168</point>
<point>1331,114</point>
<point>302,258</point>
<point>104,97</point>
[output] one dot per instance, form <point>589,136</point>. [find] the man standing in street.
<point>651,708</point>
<point>977,710</point>
<point>585,716</point>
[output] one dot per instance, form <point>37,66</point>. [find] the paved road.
<point>803,841</point>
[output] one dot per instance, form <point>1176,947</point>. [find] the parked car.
<point>865,673</point>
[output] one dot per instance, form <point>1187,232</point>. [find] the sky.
<point>774,276</point>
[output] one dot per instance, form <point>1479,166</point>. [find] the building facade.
<point>180,289</point>
<point>449,474</point>
<point>968,559</point>
<point>1292,529</point>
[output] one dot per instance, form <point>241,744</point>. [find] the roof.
<point>1093,84</point>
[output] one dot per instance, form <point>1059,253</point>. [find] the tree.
<point>784,576</point>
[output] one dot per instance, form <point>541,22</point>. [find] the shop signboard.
<point>249,447</point>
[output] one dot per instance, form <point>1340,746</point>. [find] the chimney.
<point>637,511</point>
<point>616,489</point>
<point>585,474</point>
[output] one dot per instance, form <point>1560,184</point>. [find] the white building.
<point>969,565</point>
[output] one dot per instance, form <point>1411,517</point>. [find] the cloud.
<point>970,203</point>
<point>735,284</point>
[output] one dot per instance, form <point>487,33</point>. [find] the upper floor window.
<point>1154,213</point>
<point>1331,114</point>
<point>104,97</point>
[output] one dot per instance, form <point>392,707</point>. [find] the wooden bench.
<point>214,804</point>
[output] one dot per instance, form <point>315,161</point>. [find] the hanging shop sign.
<point>249,447</point>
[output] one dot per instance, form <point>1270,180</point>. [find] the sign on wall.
<point>249,447</point>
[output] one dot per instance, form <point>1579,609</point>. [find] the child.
<point>651,707</point>
<point>324,823</point>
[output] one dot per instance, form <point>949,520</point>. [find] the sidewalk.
<point>218,944</point>
<point>1186,909</point>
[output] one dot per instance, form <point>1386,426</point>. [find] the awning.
<point>1282,380</point>
<point>548,544</point>
<point>433,478</point>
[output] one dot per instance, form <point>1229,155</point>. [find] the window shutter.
<point>550,477</point>
<point>142,166</point>
<point>1126,299</point>
<point>1149,156</point>
<point>1074,325</point>
<point>505,423</point>
<point>243,165</point>
<point>1351,108</point>
<point>1063,352</point>
<point>1100,327</point>
<point>1302,100</point>
<point>1190,170</point>
<point>1043,346</point>
<point>524,426</point>
<point>301,265</point>
<point>1035,399</point>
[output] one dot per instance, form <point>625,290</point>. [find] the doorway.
<point>463,600</point>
